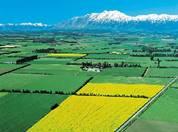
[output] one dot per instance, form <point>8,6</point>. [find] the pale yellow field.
<point>65,55</point>
<point>86,113</point>
<point>119,89</point>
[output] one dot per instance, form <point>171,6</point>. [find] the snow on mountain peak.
<point>156,17</point>
<point>110,16</point>
<point>107,16</point>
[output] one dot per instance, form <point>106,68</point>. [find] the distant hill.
<point>24,27</point>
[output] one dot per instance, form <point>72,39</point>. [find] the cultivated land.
<point>161,116</point>
<point>63,81</point>
<point>21,111</point>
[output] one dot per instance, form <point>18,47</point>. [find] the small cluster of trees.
<point>26,59</point>
<point>158,61</point>
<point>123,64</point>
<point>48,50</point>
<point>107,65</point>
<point>96,65</point>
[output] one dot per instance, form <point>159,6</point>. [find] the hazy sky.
<point>54,11</point>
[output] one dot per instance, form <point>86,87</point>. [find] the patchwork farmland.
<point>88,82</point>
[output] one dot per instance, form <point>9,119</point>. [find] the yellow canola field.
<point>119,89</point>
<point>89,113</point>
<point>66,55</point>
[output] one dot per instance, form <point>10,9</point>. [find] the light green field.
<point>162,116</point>
<point>152,126</point>
<point>51,61</point>
<point>3,94</point>
<point>66,82</point>
<point>165,108</point>
<point>129,80</point>
<point>54,69</point>
<point>8,67</point>
<point>133,72</point>
<point>162,72</point>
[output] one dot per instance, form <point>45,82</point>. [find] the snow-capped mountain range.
<point>116,20</point>
<point>118,16</point>
<point>106,20</point>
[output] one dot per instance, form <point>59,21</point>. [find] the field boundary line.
<point>145,72</point>
<point>14,69</point>
<point>54,93</point>
<point>144,107</point>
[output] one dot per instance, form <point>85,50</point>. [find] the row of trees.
<point>73,93</point>
<point>116,95</point>
<point>151,50</point>
<point>31,91</point>
<point>107,65</point>
<point>155,55</point>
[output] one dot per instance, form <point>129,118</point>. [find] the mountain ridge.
<point>116,20</point>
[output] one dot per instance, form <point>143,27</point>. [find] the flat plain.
<point>87,81</point>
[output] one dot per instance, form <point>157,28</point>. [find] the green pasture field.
<point>169,59</point>
<point>162,116</point>
<point>165,108</point>
<point>5,59</point>
<point>129,80</point>
<point>111,61</point>
<point>126,72</point>
<point>141,125</point>
<point>3,94</point>
<point>94,61</point>
<point>65,75</point>
<point>175,85</point>
<point>162,72</point>
<point>55,69</point>
<point>8,67</point>
<point>46,61</point>
<point>143,61</point>
<point>18,112</point>
<point>66,82</point>
<point>169,64</point>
